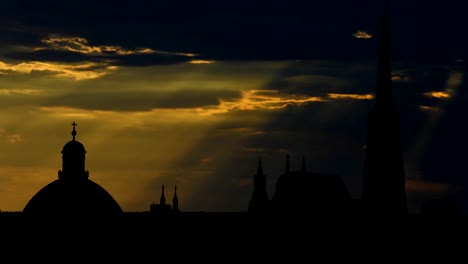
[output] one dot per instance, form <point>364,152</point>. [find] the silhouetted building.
<point>259,202</point>
<point>163,207</point>
<point>72,194</point>
<point>383,189</point>
<point>310,192</point>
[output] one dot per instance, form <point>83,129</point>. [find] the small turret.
<point>162,200</point>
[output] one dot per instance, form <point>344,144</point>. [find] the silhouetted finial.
<point>259,169</point>
<point>303,168</point>
<point>287,162</point>
<point>74,131</point>
<point>163,199</point>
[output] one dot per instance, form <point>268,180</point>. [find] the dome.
<point>73,146</point>
<point>73,194</point>
<point>81,198</point>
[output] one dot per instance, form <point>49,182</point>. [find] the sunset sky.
<point>191,93</point>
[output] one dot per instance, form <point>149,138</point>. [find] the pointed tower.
<point>259,201</point>
<point>383,183</point>
<point>175,201</point>
<point>162,200</point>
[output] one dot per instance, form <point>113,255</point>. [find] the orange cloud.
<point>261,100</point>
<point>78,72</point>
<point>429,108</point>
<point>361,34</point>
<point>79,44</point>
<point>438,94</point>
<point>201,61</point>
<point>351,96</point>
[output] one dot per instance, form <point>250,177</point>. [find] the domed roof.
<point>80,198</point>
<point>73,146</point>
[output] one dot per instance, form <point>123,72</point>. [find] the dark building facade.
<point>301,192</point>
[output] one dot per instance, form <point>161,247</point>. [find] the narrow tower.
<point>383,184</point>
<point>162,200</point>
<point>175,201</point>
<point>259,201</point>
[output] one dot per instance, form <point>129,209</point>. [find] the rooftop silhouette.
<point>73,194</point>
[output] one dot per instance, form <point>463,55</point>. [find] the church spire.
<point>383,183</point>
<point>259,169</point>
<point>162,200</point>
<point>175,200</point>
<point>383,94</point>
<point>259,200</point>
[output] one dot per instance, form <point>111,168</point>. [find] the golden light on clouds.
<point>437,94</point>
<point>11,92</point>
<point>429,108</point>
<point>78,72</point>
<point>201,61</point>
<point>361,34</point>
<point>351,96</point>
<point>78,44</point>
<point>259,100</point>
<point>81,45</point>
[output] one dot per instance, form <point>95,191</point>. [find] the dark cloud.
<point>111,59</point>
<point>19,37</point>
<point>141,101</point>
<point>252,31</point>
<point>50,56</point>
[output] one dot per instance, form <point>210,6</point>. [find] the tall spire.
<point>74,131</point>
<point>175,200</point>
<point>259,200</point>
<point>162,200</point>
<point>383,183</point>
<point>383,94</point>
<point>259,169</point>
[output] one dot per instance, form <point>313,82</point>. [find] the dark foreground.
<point>226,237</point>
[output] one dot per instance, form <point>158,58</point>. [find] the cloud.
<point>67,49</point>
<point>78,72</point>
<point>265,100</point>
<point>437,94</point>
<point>201,61</point>
<point>142,100</point>
<point>10,138</point>
<point>429,108</point>
<point>418,185</point>
<point>351,96</point>
<point>361,34</point>
<point>12,92</point>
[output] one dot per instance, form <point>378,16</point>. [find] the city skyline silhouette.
<point>340,119</point>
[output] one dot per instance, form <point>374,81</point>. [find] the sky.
<point>191,93</point>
